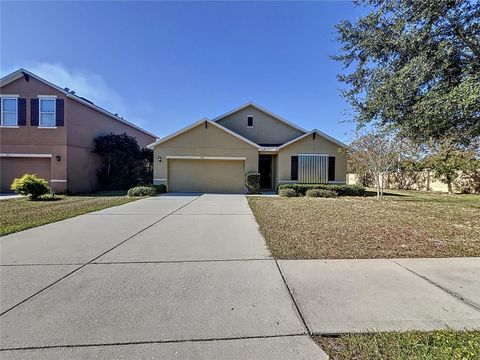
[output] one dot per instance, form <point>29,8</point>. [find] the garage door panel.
<point>188,175</point>
<point>13,167</point>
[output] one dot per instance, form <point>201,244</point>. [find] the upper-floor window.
<point>250,121</point>
<point>9,111</point>
<point>47,112</point>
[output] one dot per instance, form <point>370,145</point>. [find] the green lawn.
<point>20,213</point>
<point>405,224</point>
<point>436,345</point>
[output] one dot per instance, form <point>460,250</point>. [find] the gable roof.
<point>195,124</point>
<point>258,107</point>
<point>322,134</point>
<point>22,72</point>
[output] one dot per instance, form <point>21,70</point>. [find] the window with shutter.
<point>312,168</point>
<point>34,112</point>
<point>331,168</point>
<point>294,168</point>
<point>47,112</point>
<point>9,111</point>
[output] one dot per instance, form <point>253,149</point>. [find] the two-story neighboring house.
<point>214,155</point>
<point>50,131</point>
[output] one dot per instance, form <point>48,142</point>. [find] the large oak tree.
<point>414,66</point>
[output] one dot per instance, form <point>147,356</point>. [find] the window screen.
<point>312,169</point>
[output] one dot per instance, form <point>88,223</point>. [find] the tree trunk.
<point>450,187</point>
<point>377,178</point>
<point>381,185</point>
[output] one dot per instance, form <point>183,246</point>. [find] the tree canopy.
<point>124,163</point>
<point>414,66</point>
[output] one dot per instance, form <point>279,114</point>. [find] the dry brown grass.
<point>405,224</point>
<point>20,213</point>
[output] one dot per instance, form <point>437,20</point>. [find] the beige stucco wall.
<point>201,141</point>
<point>308,145</point>
<point>266,129</point>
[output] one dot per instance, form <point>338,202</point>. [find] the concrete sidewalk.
<point>345,296</point>
<point>172,277</point>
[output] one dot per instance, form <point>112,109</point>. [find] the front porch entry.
<point>265,169</point>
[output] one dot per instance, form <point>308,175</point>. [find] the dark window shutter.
<point>22,111</point>
<point>60,112</point>
<point>34,112</point>
<point>294,168</point>
<point>331,168</point>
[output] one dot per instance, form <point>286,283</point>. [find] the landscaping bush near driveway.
<point>340,190</point>
<point>30,185</point>
<point>252,182</point>
<point>321,193</point>
<point>161,189</point>
<point>142,191</point>
<point>147,190</point>
<point>287,193</point>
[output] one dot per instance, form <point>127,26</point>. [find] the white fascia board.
<point>197,123</point>
<point>325,136</point>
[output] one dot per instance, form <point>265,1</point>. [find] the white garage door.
<point>211,176</point>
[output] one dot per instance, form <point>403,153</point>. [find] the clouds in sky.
<point>86,84</point>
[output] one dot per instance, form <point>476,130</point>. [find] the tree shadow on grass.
<point>47,198</point>
<point>371,193</point>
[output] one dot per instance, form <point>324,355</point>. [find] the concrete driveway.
<point>171,277</point>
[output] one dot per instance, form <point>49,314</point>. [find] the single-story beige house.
<point>214,155</point>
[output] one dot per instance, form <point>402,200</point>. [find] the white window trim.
<point>47,97</point>
<point>233,158</point>
<point>10,97</point>
<point>253,118</point>
<point>25,155</point>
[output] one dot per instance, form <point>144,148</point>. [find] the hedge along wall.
<point>341,190</point>
<point>424,181</point>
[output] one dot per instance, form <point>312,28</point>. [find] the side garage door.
<point>223,176</point>
<point>14,167</point>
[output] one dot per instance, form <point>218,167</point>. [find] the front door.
<point>265,170</point>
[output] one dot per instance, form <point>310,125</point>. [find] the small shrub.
<point>287,193</point>
<point>161,189</point>
<point>142,191</point>
<point>321,193</point>
<point>340,190</point>
<point>252,182</point>
<point>30,185</point>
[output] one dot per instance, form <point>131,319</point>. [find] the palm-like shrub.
<point>30,185</point>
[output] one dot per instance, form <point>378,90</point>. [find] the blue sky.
<point>164,65</point>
